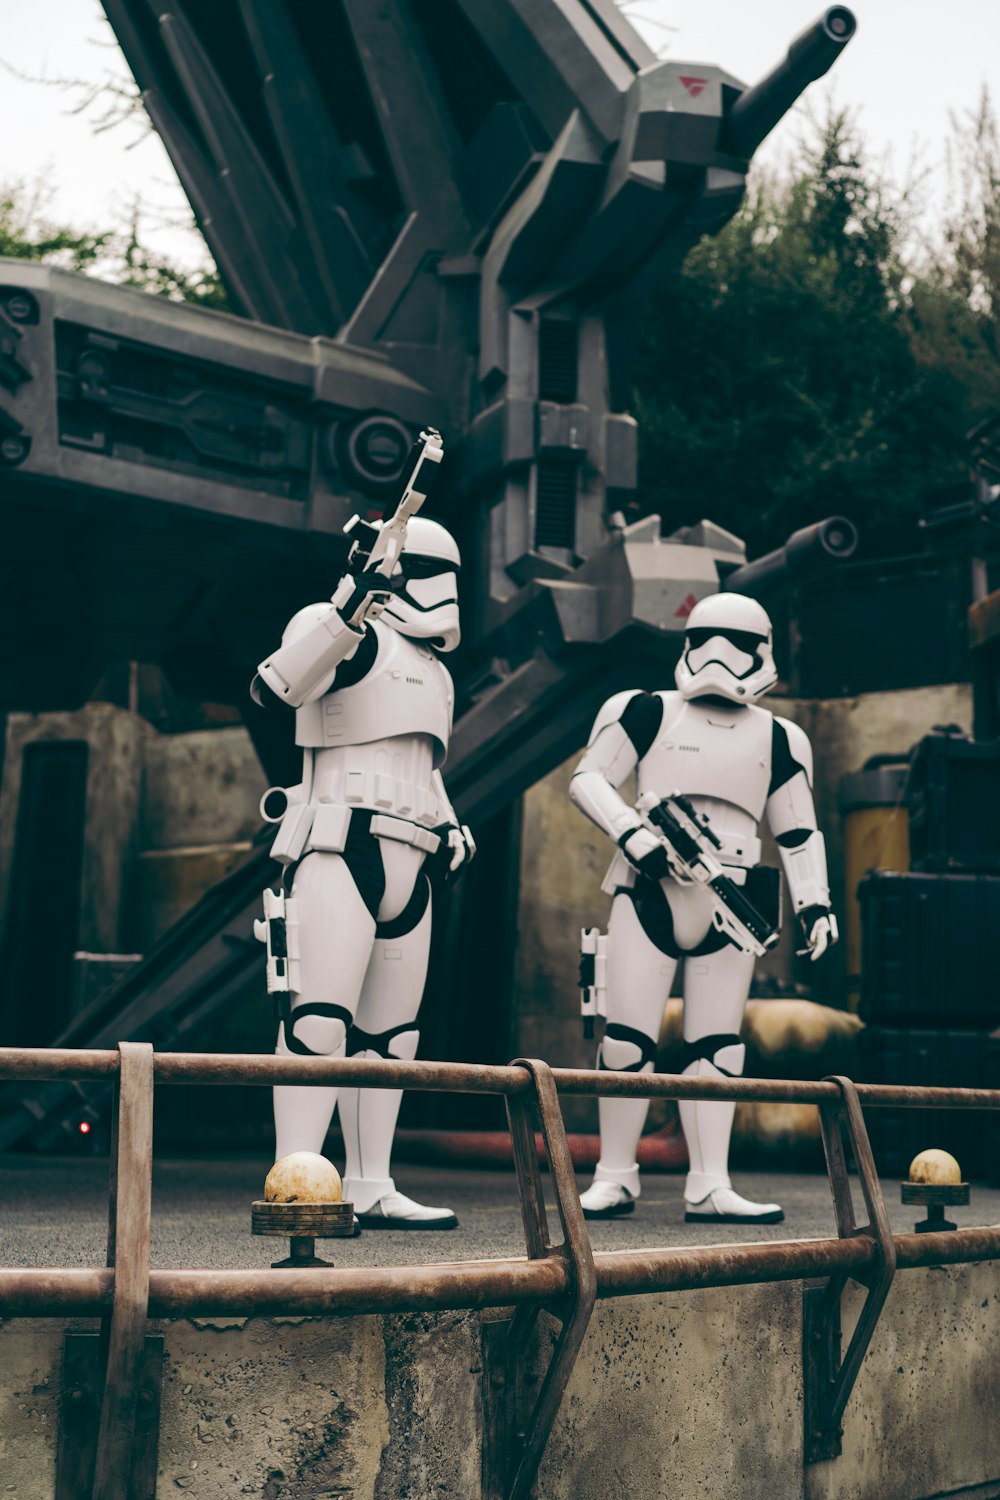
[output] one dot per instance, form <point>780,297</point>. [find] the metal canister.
<point>876,837</point>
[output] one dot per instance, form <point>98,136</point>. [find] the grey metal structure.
<point>444,212</point>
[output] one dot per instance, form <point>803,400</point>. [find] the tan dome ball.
<point>303,1177</point>
<point>935,1166</point>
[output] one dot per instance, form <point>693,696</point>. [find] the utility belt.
<point>324,826</point>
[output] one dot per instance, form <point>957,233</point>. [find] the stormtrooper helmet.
<point>727,650</point>
<point>425,579</point>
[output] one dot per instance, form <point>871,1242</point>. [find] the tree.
<point>794,371</point>
<point>26,234</point>
<point>955,301</point>
<point>117,255</point>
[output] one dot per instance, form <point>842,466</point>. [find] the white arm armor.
<point>791,817</point>
<point>608,759</point>
<point>315,642</point>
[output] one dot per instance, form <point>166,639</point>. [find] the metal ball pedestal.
<point>935,1196</point>
<point>304,1224</point>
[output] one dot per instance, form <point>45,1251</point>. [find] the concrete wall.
<point>564,859</point>
<point>167,816</point>
<point>697,1393</point>
<point>117,741</point>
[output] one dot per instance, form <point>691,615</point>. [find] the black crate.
<point>928,949</point>
<point>953,797</point>
<point>943,1059</point>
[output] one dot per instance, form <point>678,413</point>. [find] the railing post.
<point>575,1309</point>
<point>129,1235</point>
<point>829,1379</point>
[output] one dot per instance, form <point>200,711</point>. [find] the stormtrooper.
<point>732,762</point>
<point>358,839</point>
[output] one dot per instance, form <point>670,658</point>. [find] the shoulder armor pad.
<point>798,745</point>
<point>612,712</point>
<point>300,623</point>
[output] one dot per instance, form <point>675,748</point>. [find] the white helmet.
<point>728,650</point>
<point>426,606</point>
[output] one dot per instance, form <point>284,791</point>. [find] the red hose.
<point>663,1150</point>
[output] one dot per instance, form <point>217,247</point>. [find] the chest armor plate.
<point>408,691</point>
<point>705,752</point>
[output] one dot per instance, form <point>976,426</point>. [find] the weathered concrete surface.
<point>433,1384</point>
<point>116,741</point>
<point>683,1395</point>
<point>925,1414</point>
<point>30,1360</point>
<point>302,1409</point>
<point>167,817</point>
<point>200,788</point>
<point>694,1394</point>
<point>280,1408</point>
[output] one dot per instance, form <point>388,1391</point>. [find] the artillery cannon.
<point>808,553</point>
<point>756,112</point>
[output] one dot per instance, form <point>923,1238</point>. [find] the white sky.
<point>909,65</point>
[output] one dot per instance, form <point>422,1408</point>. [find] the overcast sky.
<point>910,64</point>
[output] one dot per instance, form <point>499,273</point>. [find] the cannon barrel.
<point>807,554</point>
<point>756,112</point>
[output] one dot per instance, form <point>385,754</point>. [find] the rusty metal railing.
<point>564,1279</point>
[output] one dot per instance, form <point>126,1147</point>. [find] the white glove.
<point>362,599</point>
<point>819,927</point>
<point>462,846</point>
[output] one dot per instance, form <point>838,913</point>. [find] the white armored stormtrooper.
<point>734,762</point>
<point>373,712</point>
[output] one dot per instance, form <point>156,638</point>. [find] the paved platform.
<point>53,1212</point>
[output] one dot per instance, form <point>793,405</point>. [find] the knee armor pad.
<point>625,1050</point>
<point>723,1055</point>
<point>318,1030</point>
<point>399,1044</point>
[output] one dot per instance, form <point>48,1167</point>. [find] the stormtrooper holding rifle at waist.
<point>687,883</point>
<point>347,946</point>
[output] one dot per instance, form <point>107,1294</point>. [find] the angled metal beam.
<point>267,223</point>
<point>405,310</point>
<point>423,147</point>
<point>312,153</point>
<point>562,55</point>
<point>246,285</point>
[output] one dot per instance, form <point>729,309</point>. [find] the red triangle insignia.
<point>686,608</point>
<point>694,86</point>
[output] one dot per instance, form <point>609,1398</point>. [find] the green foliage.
<point>803,366</point>
<point>26,233</point>
<point>150,273</point>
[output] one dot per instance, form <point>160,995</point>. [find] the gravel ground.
<point>53,1212</point>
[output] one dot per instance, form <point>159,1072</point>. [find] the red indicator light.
<point>84,1127</point>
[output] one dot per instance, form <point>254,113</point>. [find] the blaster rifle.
<point>689,843</point>
<point>378,548</point>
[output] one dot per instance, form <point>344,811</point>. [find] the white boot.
<point>612,1193</point>
<point>720,1205</point>
<point>708,1192</point>
<point>377,1205</point>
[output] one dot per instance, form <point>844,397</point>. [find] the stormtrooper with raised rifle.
<point>735,762</point>
<point>358,838</point>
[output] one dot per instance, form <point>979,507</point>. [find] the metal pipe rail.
<point>41,1064</point>
<point>566,1278</point>
<point>472,1285</point>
